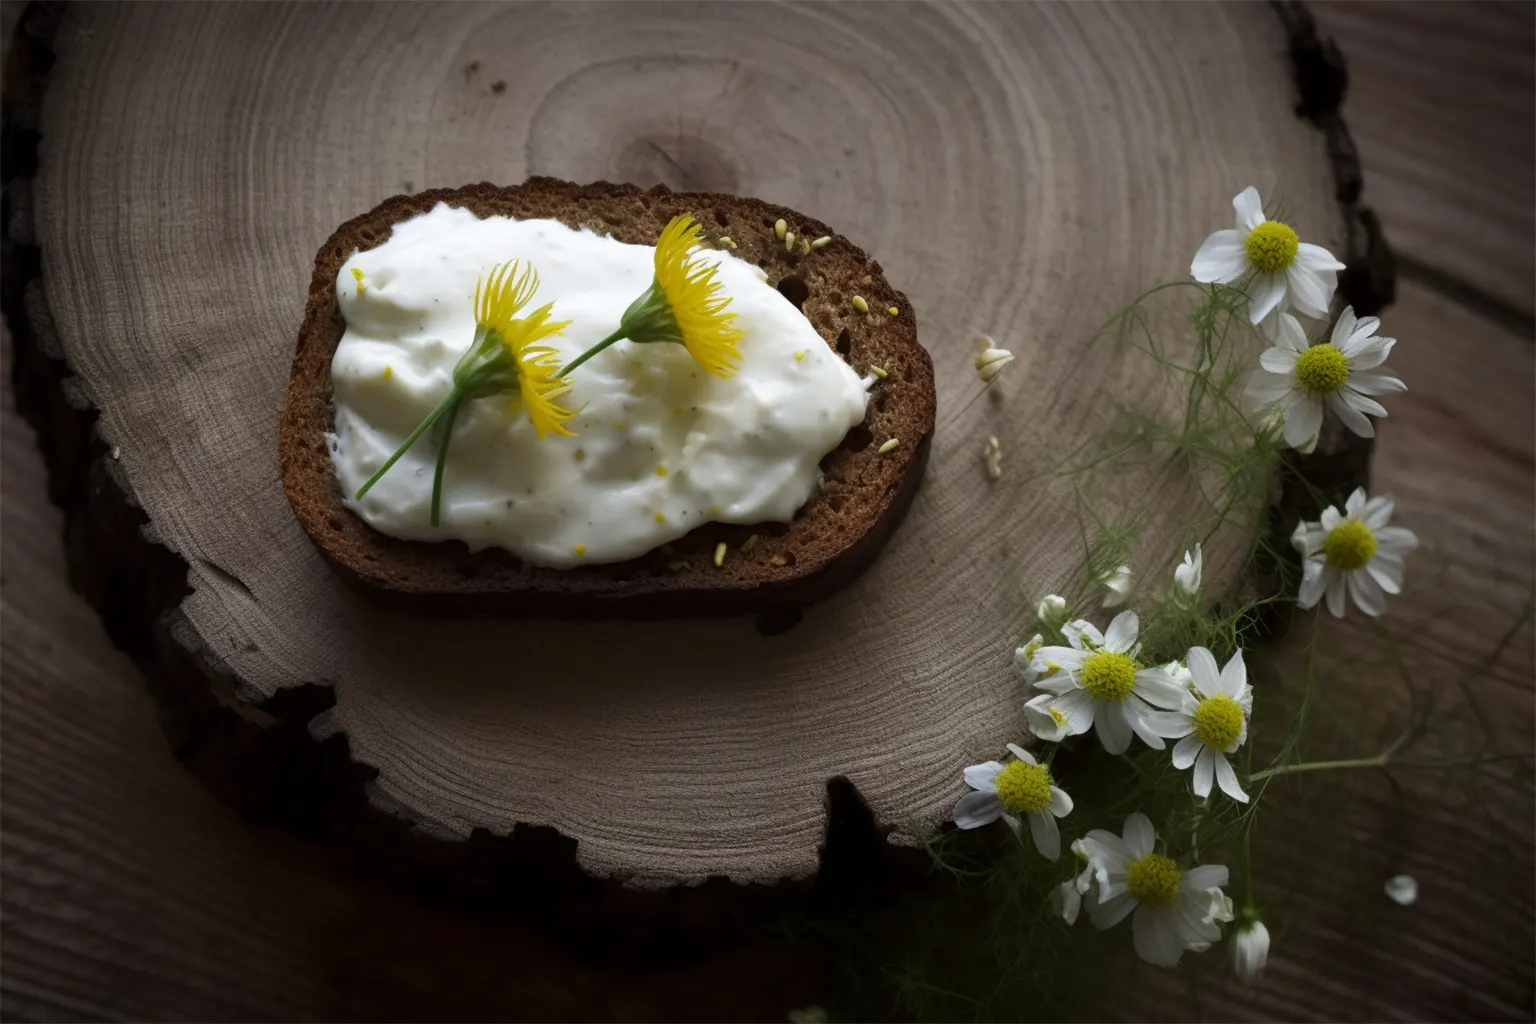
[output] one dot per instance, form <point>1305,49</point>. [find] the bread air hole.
<point>795,290</point>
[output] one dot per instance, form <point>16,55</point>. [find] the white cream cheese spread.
<point>661,446</point>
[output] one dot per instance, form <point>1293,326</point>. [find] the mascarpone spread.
<point>662,445</point>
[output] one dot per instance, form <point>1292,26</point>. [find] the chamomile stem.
<point>412,438</point>
<point>618,335</point>
<point>442,457</point>
<point>1379,761</point>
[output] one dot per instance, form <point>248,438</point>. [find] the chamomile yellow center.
<point>1271,246</point>
<point>1024,788</point>
<point>1350,545</point>
<point>1109,676</point>
<point>1218,721</point>
<point>1322,369</point>
<point>1153,880</point>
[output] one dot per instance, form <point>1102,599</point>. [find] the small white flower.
<point>1052,611</point>
<point>1025,662</point>
<point>1250,950</point>
<point>991,359</point>
<point>1353,552</point>
<point>1067,898</point>
<point>1186,576</point>
<point>1175,910</point>
<point>1402,890</point>
<point>1211,722</point>
<point>992,458</point>
<point>1117,586</point>
<point>1296,380</point>
<point>1285,271</point>
<point>1021,788</point>
<point>1097,683</point>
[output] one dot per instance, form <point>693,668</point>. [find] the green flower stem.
<point>1379,761</point>
<point>616,336</point>
<point>452,399</point>
<point>442,454</point>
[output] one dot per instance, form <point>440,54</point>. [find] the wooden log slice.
<point>1019,170</point>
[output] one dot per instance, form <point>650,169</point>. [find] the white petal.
<point>1047,837</point>
<point>1343,328</point>
<point>1402,889</point>
<point>1267,291</point>
<point>1234,676</point>
<point>1157,940</point>
<point>1331,517</point>
<point>1314,583</point>
<point>1355,503</point>
<point>1022,754</point>
<point>977,809</point>
<point>1067,901</point>
<point>1366,594</point>
<point>1396,540</point>
<point>1369,382</point>
<point>1079,709</point>
<point>1014,825</point>
<point>1111,911</point>
<point>1265,388</point>
<point>1185,752</point>
<point>1304,423</point>
<point>1310,290</point>
<point>1158,688</point>
<point>1205,876</point>
<point>1205,672</point>
<point>1169,724</point>
<point>1357,423</point>
<point>1139,835</point>
<point>1249,209</point>
<point>1221,259</point>
<point>983,777</point>
<point>1121,635</point>
<point>1358,402</point>
<point>1133,711</point>
<point>1288,333</point>
<point>1204,770</point>
<point>1278,360</point>
<point>1061,803</point>
<point>1316,258</point>
<point>1226,778</point>
<point>1058,682</point>
<point>1377,512</point>
<point>1082,632</point>
<point>1336,591</point>
<point>1373,354</point>
<point>1385,578</point>
<point>1114,732</point>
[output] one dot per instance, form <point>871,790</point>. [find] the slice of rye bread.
<point>833,538</point>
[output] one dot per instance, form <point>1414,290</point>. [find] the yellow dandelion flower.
<point>685,304</point>
<point>498,300</point>
<point>538,371</point>
<point>693,292</point>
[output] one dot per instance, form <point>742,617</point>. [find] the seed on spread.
<point>878,371</point>
<point>389,371</point>
<point>890,446</point>
<point>894,311</point>
<point>719,554</point>
<point>780,228</point>
<point>660,518</point>
<point>749,544</point>
<point>859,304</point>
<point>789,241</point>
<point>799,355</point>
<point>580,550</point>
<point>823,240</point>
<point>661,470</point>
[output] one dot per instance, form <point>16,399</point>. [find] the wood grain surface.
<point>933,136</point>
<point>131,893</point>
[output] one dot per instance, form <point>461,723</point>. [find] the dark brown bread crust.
<point>833,538</point>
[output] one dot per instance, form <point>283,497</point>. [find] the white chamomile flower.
<point>1117,586</point>
<point>1211,723</point>
<point>1250,948</point>
<point>1186,575</point>
<point>1021,788</point>
<point>1052,611</point>
<point>1296,380</point>
<point>1175,910</point>
<point>1285,271</point>
<point>1024,661</point>
<point>1355,552</point>
<point>1097,683</point>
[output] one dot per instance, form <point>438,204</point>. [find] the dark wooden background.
<point>130,892</point>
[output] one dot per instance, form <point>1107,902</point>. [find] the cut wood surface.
<point>1018,170</point>
<point>131,892</point>
<point>1442,104</point>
